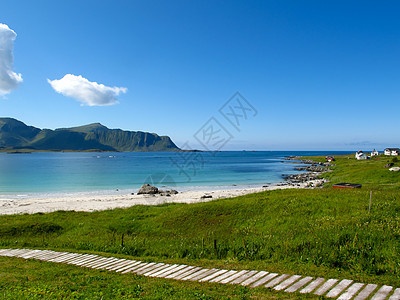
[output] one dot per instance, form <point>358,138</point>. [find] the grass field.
<point>321,232</point>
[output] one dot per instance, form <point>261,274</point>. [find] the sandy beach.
<point>121,199</point>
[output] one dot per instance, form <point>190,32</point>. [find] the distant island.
<point>16,136</point>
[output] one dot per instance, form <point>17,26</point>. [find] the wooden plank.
<point>181,271</point>
<point>134,263</point>
<point>299,284</point>
<point>276,281</point>
<point>10,252</point>
<point>65,258</point>
<point>187,273</point>
<point>40,254</point>
<point>205,274</point>
<point>60,258</point>
<point>90,262</point>
<point>124,263</point>
<point>149,265</point>
<point>214,275</point>
<point>157,270</point>
<point>166,273</point>
<point>108,266</point>
<point>133,268</point>
<point>2,251</point>
<point>163,270</point>
<point>28,254</point>
<point>364,294</point>
<point>396,295</point>
<point>313,285</point>
<point>82,258</point>
<point>48,255</point>
<point>254,278</point>
<point>267,278</point>
<point>333,293</point>
<point>234,276</point>
<point>98,262</point>
<point>87,260</point>
<point>68,260</point>
<point>223,276</point>
<point>284,284</point>
<point>382,292</point>
<point>351,291</point>
<point>77,259</point>
<point>148,269</point>
<point>199,272</point>
<point>111,262</point>
<point>326,286</point>
<point>16,252</point>
<point>243,277</point>
<point>102,264</point>
<point>176,272</point>
<point>20,252</point>
<point>54,259</point>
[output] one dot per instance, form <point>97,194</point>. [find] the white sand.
<point>119,199</point>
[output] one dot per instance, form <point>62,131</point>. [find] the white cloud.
<point>9,80</point>
<point>87,92</point>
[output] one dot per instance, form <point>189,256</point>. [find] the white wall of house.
<point>360,155</point>
<point>392,151</point>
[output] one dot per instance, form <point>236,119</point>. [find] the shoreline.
<point>97,201</point>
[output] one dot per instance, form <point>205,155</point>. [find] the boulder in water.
<point>148,189</point>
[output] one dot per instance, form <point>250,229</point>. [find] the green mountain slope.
<point>16,135</point>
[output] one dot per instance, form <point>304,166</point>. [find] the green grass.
<point>371,173</point>
<point>322,232</point>
<point>21,279</point>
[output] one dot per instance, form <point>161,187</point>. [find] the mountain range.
<point>16,135</point>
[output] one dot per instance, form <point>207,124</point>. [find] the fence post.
<point>370,201</point>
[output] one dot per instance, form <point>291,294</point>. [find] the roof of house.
<point>392,149</point>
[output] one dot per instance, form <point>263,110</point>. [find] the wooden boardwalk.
<point>331,288</point>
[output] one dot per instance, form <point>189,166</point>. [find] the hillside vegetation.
<point>317,232</point>
<point>15,135</point>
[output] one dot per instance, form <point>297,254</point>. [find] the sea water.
<point>43,173</point>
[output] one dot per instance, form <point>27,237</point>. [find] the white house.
<point>374,153</point>
<point>361,155</point>
<point>392,151</point>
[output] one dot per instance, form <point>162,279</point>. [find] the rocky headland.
<point>312,177</point>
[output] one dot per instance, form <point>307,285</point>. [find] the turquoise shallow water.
<point>85,172</point>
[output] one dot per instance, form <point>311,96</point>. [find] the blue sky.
<point>322,75</point>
